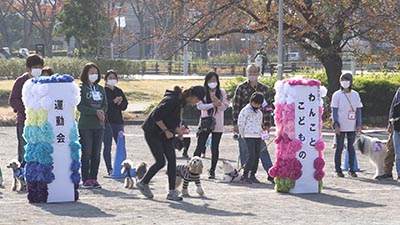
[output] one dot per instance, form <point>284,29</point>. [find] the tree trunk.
<point>333,67</point>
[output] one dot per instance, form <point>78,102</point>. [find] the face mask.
<point>112,82</point>
<point>93,77</point>
<point>345,84</point>
<point>253,78</point>
<point>212,85</point>
<point>36,72</point>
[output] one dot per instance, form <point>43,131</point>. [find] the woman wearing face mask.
<point>117,103</point>
<point>214,104</point>
<point>346,116</point>
<point>92,108</point>
<point>160,128</point>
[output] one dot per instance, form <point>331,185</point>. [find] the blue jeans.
<point>396,145</point>
<point>90,140</point>
<point>351,136</point>
<point>21,144</point>
<point>264,154</point>
<point>111,131</point>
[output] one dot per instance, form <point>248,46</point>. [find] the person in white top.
<point>214,104</point>
<point>346,116</point>
<point>250,123</point>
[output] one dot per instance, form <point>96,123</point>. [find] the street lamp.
<point>280,41</point>
<point>121,24</point>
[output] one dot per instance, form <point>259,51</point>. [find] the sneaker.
<point>271,179</point>
<point>386,176</point>
<point>245,180</point>
<point>352,173</point>
<point>109,172</point>
<point>185,155</point>
<point>211,176</point>
<point>174,196</point>
<point>254,179</point>
<point>96,184</point>
<point>87,184</point>
<point>144,189</point>
<point>339,174</point>
<point>203,155</point>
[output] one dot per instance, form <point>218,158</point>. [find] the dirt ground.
<point>346,200</point>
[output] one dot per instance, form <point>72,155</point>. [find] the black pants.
<point>161,148</point>
<point>201,142</point>
<point>253,148</point>
<point>186,144</point>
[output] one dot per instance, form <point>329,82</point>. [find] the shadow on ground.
<point>206,210</point>
<point>74,209</point>
<point>333,200</point>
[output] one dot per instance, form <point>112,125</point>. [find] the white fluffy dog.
<point>18,176</point>
<point>374,149</point>
<point>231,175</point>
<point>189,172</point>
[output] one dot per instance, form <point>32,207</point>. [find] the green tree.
<point>85,20</point>
<point>10,26</point>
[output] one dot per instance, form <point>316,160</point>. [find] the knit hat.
<point>347,76</point>
<point>198,91</point>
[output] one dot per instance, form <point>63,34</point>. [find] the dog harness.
<point>233,175</point>
<point>187,176</point>
<point>18,173</point>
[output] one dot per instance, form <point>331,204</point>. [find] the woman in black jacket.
<point>160,128</point>
<point>117,103</point>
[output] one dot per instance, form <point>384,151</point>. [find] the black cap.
<point>347,76</point>
<point>198,91</point>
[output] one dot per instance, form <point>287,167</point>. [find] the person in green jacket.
<point>92,108</point>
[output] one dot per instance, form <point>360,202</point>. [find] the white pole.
<point>280,41</point>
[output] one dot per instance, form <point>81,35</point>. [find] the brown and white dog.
<point>127,167</point>
<point>18,176</point>
<point>374,149</point>
<point>190,172</point>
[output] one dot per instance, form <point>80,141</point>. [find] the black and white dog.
<point>18,176</point>
<point>190,172</point>
<point>374,149</point>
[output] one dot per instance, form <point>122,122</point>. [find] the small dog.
<point>190,172</point>
<point>374,149</point>
<point>18,178</point>
<point>231,175</point>
<point>127,165</point>
<point>139,172</point>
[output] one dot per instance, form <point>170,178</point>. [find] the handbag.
<point>207,124</point>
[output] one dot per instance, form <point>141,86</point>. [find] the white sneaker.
<point>144,189</point>
<point>174,196</point>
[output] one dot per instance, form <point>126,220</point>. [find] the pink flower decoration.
<point>295,145</point>
<point>295,174</point>
<point>319,174</point>
<point>319,163</point>
<point>272,171</point>
<point>320,145</point>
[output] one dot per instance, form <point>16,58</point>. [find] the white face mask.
<point>212,85</point>
<point>253,78</point>
<point>345,83</point>
<point>93,77</point>
<point>112,82</point>
<point>36,72</point>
